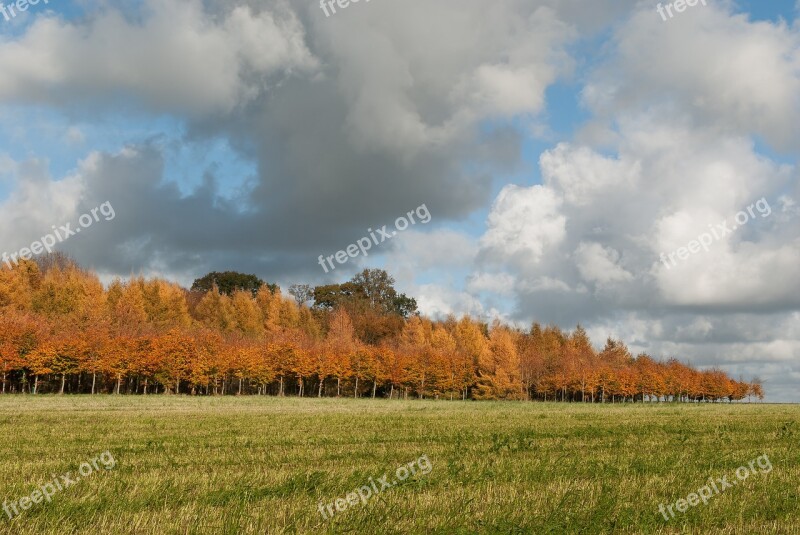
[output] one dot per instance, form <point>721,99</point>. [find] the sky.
<point>582,161</point>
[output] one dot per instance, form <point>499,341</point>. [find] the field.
<point>264,465</point>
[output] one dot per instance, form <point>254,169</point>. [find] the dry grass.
<point>261,465</point>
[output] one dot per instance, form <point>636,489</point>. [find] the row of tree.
<point>62,331</point>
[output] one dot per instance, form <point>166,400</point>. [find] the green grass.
<point>261,465</point>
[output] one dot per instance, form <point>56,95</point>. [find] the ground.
<point>198,465</point>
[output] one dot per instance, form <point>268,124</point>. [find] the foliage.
<point>62,331</point>
<point>229,282</point>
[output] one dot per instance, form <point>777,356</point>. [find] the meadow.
<point>228,465</point>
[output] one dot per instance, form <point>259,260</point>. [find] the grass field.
<point>263,465</point>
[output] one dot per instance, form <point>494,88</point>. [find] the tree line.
<point>63,331</point>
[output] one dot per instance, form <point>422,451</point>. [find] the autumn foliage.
<point>62,331</point>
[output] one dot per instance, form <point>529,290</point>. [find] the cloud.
<point>351,121</point>
<point>753,87</point>
<point>600,265</point>
<point>581,174</point>
<point>524,222</point>
<point>348,120</point>
<point>177,60</point>
<point>495,283</point>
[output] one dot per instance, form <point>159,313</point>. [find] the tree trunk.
<point>63,381</point>
<point>119,382</point>
<point>36,384</point>
<point>374,387</point>
<point>145,385</point>
<point>338,386</point>
<point>240,387</point>
<point>355,394</point>
<point>4,382</point>
<point>280,391</point>
<point>391,392</point>
<point>321,383</point>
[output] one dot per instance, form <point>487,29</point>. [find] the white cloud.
<point>523,221</point>
<point>439,302</point>
<point>36,203</point>
<point>496,283</point>
<point>752,87</point>
<point>600,265</point>
<point>580,174</point>
<point>177,59</point>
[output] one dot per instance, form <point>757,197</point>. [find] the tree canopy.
<point>62,331</point>
<point>230,281</point>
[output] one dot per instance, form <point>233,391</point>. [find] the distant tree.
<point>371,289</point>
<point>302,293</point>
<point>405,306</point>
<point>230,281</point>
<point>56,259</point>
<point>333,296</point>
<point>756,389</point>
<point>370,299</point>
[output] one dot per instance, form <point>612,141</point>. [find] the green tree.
<point>231,281</point>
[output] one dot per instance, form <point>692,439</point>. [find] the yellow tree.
<point>445,360</point>
<point>175,351</point>
<point>202,360</point>
<point>165,303</point>
<point>40,360</point>
<point>17,285</point>
<point>20,334</point>
<point>415,341</point>
<point>473,347</point>
<point>215,311</point>
<point>126,305</point>
<point>498,368</point>
<point>246,314</point>
<point>342,345</point>
<point>395,366</point>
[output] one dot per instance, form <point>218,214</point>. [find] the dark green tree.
<point>231,281</point>
<point>372,289</point>
<point>376,309</point>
